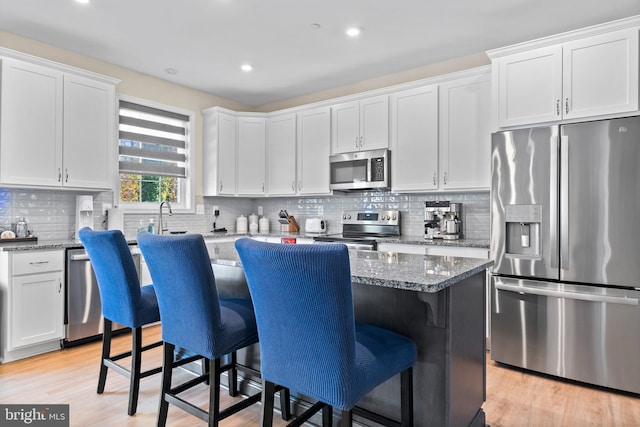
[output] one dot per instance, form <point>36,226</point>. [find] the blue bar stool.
<point>124,302</point>
<point>309,340</point>
<point>196,319</point>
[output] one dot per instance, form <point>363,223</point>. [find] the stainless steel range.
<point>360,229</point>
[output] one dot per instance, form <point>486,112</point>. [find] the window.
<point>154,155</point>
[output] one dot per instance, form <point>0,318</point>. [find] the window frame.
<point>186,185</point>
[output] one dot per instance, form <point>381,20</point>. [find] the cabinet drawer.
<point>33,262</point>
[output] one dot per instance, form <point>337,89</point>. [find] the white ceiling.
<point>208,40</point>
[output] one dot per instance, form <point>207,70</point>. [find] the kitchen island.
<point>439,302</point>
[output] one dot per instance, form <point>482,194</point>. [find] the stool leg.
<point>406,398</point>
<point>285,404</point>
<point>106,351</point>
<point>214,393</point>
<point>346,419</point>
<point>327,416</point>
<point>134,380</point>
<point>167,370</point>
<point>233,376</point>
<point>268,390</point>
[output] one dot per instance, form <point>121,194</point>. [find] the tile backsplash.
<point>51,213</point>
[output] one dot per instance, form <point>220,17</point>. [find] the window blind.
<point>152,141</point>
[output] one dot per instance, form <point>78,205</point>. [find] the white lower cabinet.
<point>33,295</point>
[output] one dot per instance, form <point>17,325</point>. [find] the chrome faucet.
<point>161,228</point>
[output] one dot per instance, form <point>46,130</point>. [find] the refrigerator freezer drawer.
<point>580,332</point>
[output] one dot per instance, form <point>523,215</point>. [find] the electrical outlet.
<point>199,209</point>
<point>260,212</point>
<point>106,206</point>
<point>215,208</point>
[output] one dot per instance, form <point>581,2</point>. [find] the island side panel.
<point>467,367</point>
<point>448,329</point>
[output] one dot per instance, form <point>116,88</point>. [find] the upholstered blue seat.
<point>309,341</point>
<point>123,301</point>
<point>196,318</point>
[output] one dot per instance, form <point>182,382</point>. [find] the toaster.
<point>315,225</point>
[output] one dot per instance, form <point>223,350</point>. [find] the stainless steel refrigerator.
<point>565,238</point>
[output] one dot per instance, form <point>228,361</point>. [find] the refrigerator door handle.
<point>553,199</point>
<point>564,202</point>
<point>501,286</point>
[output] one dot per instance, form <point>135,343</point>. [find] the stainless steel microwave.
<point>360,170</point>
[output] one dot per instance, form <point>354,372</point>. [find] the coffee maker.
<point>442,220</point>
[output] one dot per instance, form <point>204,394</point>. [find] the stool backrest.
<point>180,267</point>
<point>303,303</point>
<point>116,273</point>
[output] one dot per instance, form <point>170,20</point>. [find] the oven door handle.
<point>564,294</point>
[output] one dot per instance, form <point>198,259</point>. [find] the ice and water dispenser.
<point>523,228</point>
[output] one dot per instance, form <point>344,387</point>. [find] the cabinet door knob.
<point>445,178</point>
<point>220,186</point>
<point>59,174</point>
<point>557,107</point>
<point>66,178</point>
<point>434,179</point>
<point>566,105</point>
<point>361,142</point>
<point>356,142</point>
<point>293,185</point>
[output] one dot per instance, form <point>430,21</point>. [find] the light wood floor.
<point>514,398</point>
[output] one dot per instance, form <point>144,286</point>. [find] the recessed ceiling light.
<point>83,1</point>
<point>316,26</point>
<point>246,67</point>
<point>171,71</point>
<point>353,32</point>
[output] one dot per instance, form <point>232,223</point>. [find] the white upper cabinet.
<point>600,75</point>
<point>529,87</point>
<point>219,153</point>
<point>89,133</point>
<point>56,128</point>
<point>281,155</point>
<point>233,153</point>
<point>414,139</point>
<point>465,133</point>
<point>313,147</point>
<point>30,124</point>
<point>360,125</point>
<point>251,155</point>
<point>590,76</point>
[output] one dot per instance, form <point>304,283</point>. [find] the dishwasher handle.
<point>79,257</point>
<point>501,286</point>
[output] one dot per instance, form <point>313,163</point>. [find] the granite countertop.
<point>422,273</point>
<point>414,240</point>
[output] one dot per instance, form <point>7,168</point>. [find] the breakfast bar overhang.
<point>439,302</point>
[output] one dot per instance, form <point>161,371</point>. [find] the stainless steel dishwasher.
<point>83,309</point>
